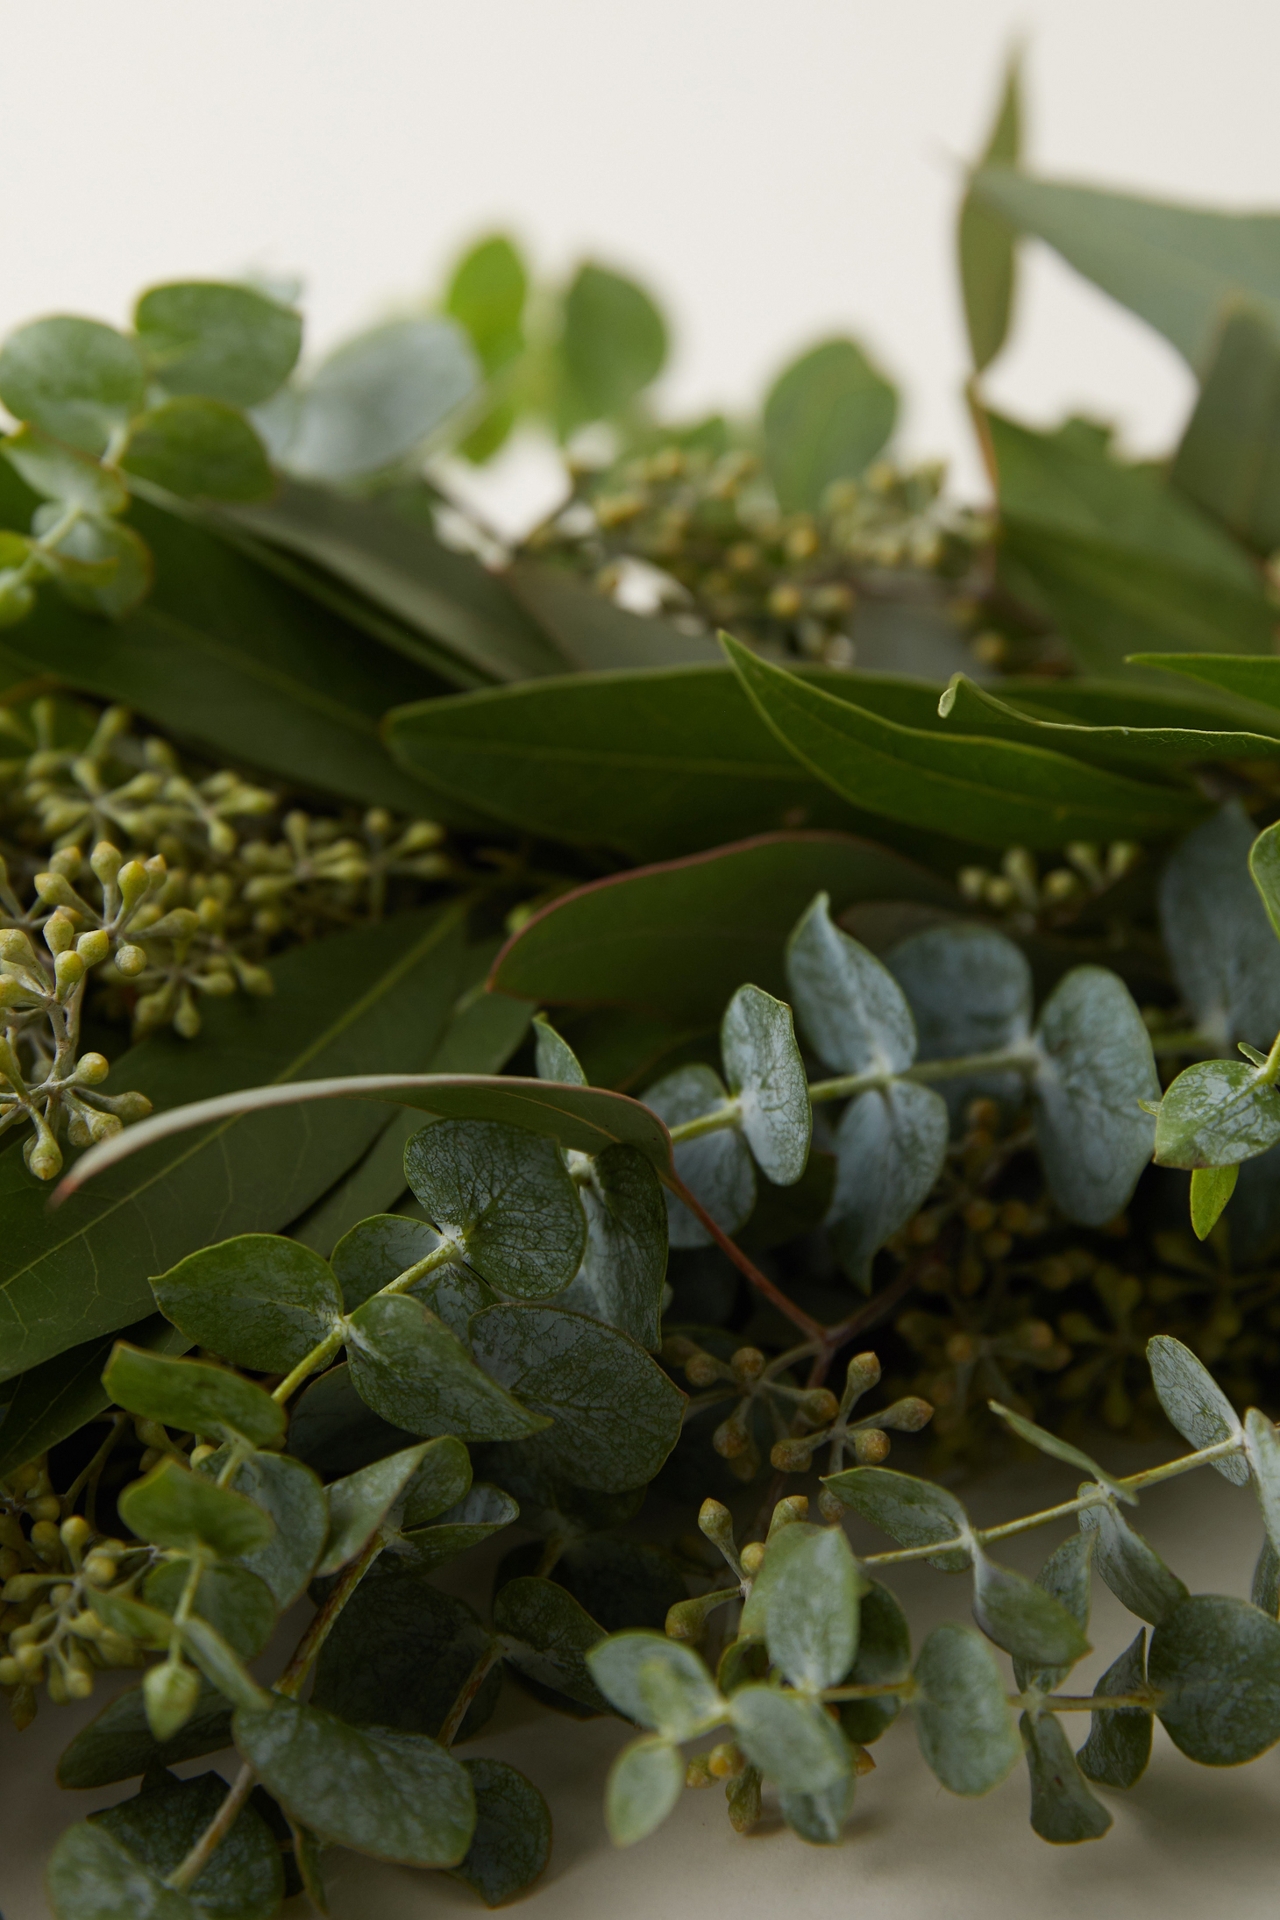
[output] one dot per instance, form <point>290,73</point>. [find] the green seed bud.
<point>820,1405</point>
<point>106,862</point>
<point>725,1761</point>
<point>76,1533</point>
<point>132,1106</point>
<point>10,1672</point>
<point>92,1069</point>
<point>59,932</point>
<point>870,1446</point>
<point>22,1588</point>
<point>30,1664</point>
<point>99,1568</point>
<point>170,1692</point>
<point>752,1558</point>
<point>130,960</point>
<point>78,1682</point>
<point>68,971</point>
<point>747,1365</point>
<point>47,1540</point>
<point>94,947</point>
<point>134,883</point>
<point>791,1456</point>
<point>696,1774</point>
<point>56,890</point>
<point>42,1153</point>
<point>794,1507</point>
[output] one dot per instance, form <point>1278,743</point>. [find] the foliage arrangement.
<point>547,1040</point>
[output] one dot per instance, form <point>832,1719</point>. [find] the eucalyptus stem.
<point>190,1868</point>
<point>475,1680</point>
<point>813,1329</point>
<point>308,1648</point>
<point>309,1364</point>
<point>1018,1059</point>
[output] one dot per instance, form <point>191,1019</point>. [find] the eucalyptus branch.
<point>189,1869</point>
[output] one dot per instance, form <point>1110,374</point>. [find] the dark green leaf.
<point>915,1513</point>
<point>1227,459</point>
<point>172,1507</point>
<point>335,1432</point>
<point>1216,1662</point>
<point>1211,1188</point>
<point>50,1402</point>
<point>259,1300</point>
<point>236,1603</point>
<point>295,1500</point>
<point>397,1796</point>
<point>990,791</point>
<point>92,1877</point>
<point>826,418</point>
<point>199,450</point>
<point>1119,1743</point>
<point>482,1512</point>
<point>644,1784</point>
<point>415,1373</point>
<point>678,939</point>
<point>790,1739</point>
<point>1062,1808</point>
<point>1058,1449</point>
<point>1096,1065</point>
<point>77,379</point>
<point>512,1840</point>
<point>442,1478</point>
<point>99,565</point>
<point>505,1198</point>
<point>621,1583</point>
<point>1133,1570</point>
<point>1222,949</point>
<point>1246,678</point>
<point>594,633</point>
<point>192,1396</point>
<point>969,990</point>
<point>884,1654</point>
<point>1024,1618</point>
<point>119,1743</point>
<point>716,1168</point>
<point>581,1373</point>
<point>1066,1576</point>
<point>399,1655</point>
<point>767,1078</point>
<point>359,1504</point>
<point>228,343</point>
<point>486,295</point>
<point>1265,1589</point>
<point>377,1251</point>
<point>1194,1402</point>
<point>1217,1113</point>
<point>1172,265</point>
<point>624,1265</point>
<point>1262,1448</point>
<point>985,239</point>
<point>963,1721</point>
<point>547,1635</point>
<point>612,345</point>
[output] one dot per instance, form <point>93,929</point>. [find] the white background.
<point>775,170</point>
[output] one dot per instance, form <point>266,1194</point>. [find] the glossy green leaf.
<point>1227,460</point>
<point>884,1654</point>
<point>652,763</point>
<point>334,1432</point>
<point>1023,1617</point>
<point>624,1263</point>
<point>716,1167</point>
<point>1264,867</point>
<point>1222,949</point>
<point>1174,266</point>
<point>511,1843</point>
<point>227,343</point>
<point>990,791</point>
<point>790,1739</point>
<point>172,1507</point>
<point>92,1877</point>
<point>51,1401</point>
<point>851,1010</point>
<point>259,1300</point>
<point>61,473</point>
<point>1096,1065</point>
<point>1062,1808</point>
<point>963,1721</point>
<point>767,1077</point>
<point>357,998</point>
<point>985,239</point>
<point>1119,1743</point>
<point>397,1796</point>
<point>1211,1188</point>
<point>555,1058</point>
<point>408,1366</point>
<point>1194,1402</point>
<point>218,1662</point>
<point>612,345</point>
<point>1215,1114</point>
<point>1059,1449</point>
<point>373,400</point>
<point>378,1250</point>
<point>1216,1662</point>
<point>119,1743</point>
<point>547,1635</point>
<point>826,417</point>
<point>482,1512</point>
<point>199,450</point>
<point>77,379</point>
<point>1133,1570</point>
<point>678,939</point>
<point>656,1682</point>
<point>1066,1577</point>
<point>579,1373</point>
<point>644,1785</point>
<point>192,1396</point>
<point>400,1653</point>
<point>812,1631</point>
<point>890,1146</point>
<point>915,1513</point>
<point>785,1541</point>
<point>291,1494</point>
<point>360,1503</point>
<point>1262,1450</point>
<point>1244,677</point>
<point>236,1603</point>
<point>441,1478</point>
<point>504,1196</point>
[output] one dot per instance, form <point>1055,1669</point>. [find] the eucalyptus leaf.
<point>441,1479</point>
<point>61,473</point>
<point>291,1494</point>
<point>1216,1114</point>
<point>511,1843</point>
<point>826,417</point>
<point>1061,1450</point>
<point>613,343</point>
<point>93,1877</point>
<point>790,1739</point>
<point>192,1396</point>
<point>505,1198</point>
<point>656,1682</point>
<point>172,1507</point>
<point>408,1366</point>
<point>644,1783</point>
<point>624,1263</point>
<point>1023,1617</point>
<point>237,1604</point>
<point>884,1654</point>
<point>580,1373</point>
<point>890,1145</point>
<point>199,450</point>
<point>851,1009</point>
<point>378,1250</point>
<point>48,1403</point>
<point>547,1635</point>
<point>1223,951</point>
<point>399,1655</point>
<point>1119,1743</point>
<point>119,1743</point>
<point>359,1504</point>
<point>1133,1570</point>
<point>1211,1188</point>
<point>482,1512</point>
<point>1066,1577</point>
<point>244,1879</point>
<point>985,239</point>
<point>77,379</point>
<point>1262,1450</point>
<point>334,1431</point>
<point>555,1058</point>
<point>767,1078</point>
<point>1195,1403</point>
<point>969,990</point>
<point>1264,1590</point>
<point>226,342</point>
<point>785,1542</point>
<point>716,1168</point>
<point>812,1631</point>
<point>1062,1808</point>
<point>963,1721</point>
<point>259,1299</point>
<point>915,1513</point>
<point>1227,458</point>
<point>397,1796</point>
<point>1095,1066</point>
<point>1216,1662</point>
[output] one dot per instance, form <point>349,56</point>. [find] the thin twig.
<point>811,1328</point>
<point>190,1869</point>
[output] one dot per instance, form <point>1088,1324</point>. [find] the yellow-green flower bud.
<point>94,946</point>
<point>870,1446</point>
<point>106,862</point>
<point>22,1588</point>
<point>56,890</point>
<point>99,1568</point>
<point>46,1539</point>
<point>10,1672</point>
<point>786,1512</point>
<point>59,932</point>
<point>170,1692</point>
<point>130,960</point>
<point>42,1153</point>
<point>132,1106</point>
<point>752,1558</point>
<point>134,883</point>
<point>68,971</point>
<point>92,1069</point>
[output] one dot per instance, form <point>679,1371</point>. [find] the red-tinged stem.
<point>811,1328</point>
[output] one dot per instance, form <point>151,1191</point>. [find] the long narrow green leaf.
<point>1252,679</point>
<point>992,791</point>
<point>1229,458</point>
<point>985,237</point>
<point>376,996</point>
